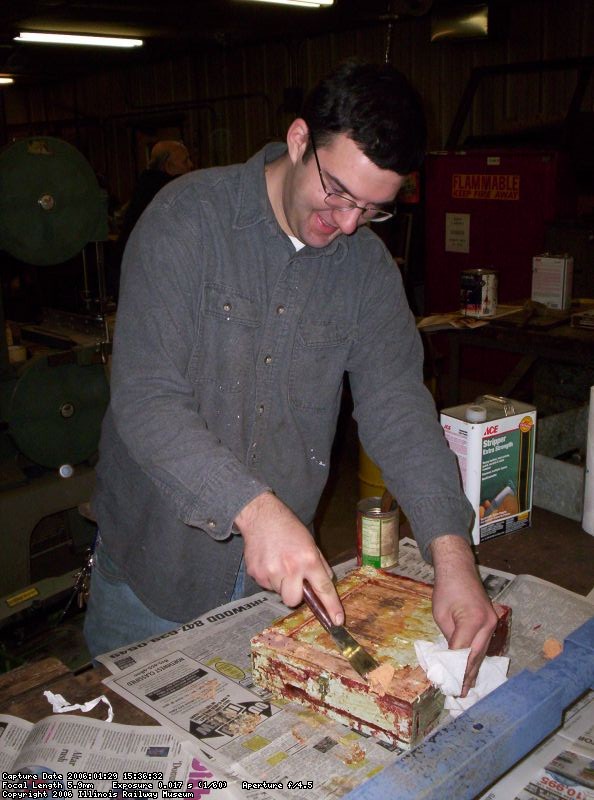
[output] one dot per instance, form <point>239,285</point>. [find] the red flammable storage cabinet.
<point>488,209</point>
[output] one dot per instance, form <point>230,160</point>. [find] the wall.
<point>227,102</point>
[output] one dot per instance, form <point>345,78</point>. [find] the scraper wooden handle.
<point>315,605</point>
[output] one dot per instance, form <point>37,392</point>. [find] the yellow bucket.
<point>371,483</point>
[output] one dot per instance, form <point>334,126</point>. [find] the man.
<point>247,292</point>
<point>168,160</point>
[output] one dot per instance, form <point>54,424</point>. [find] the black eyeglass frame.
<point>382,214</point>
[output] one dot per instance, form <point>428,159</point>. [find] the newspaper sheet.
<point>546,611</point>
<point>76,757</point>
<point>456,319</point>
<point>561,768</point>
<point>411,565</point>
<point>218,637</point>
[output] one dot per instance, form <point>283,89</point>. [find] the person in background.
<point>247,293</point>
<point>168,160</point>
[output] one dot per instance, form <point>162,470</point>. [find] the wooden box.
<point>296,659</point>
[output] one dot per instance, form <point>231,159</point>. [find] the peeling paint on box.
<point>297,660</point>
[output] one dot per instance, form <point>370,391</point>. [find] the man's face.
<point>179,161</point>
<point>346,171</point>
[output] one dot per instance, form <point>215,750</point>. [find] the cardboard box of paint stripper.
<point>494,441</point>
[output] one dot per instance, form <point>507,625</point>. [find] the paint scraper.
<point>359,659</point>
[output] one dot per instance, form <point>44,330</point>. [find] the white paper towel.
<point>445,669</point>
<point>588,514</point>
<point>61,706</point>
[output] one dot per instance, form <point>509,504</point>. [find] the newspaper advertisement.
<point>202,638</point>
<point>75,757</point>
<point>560,768</point>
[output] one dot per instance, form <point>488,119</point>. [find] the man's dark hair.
<point>377,107</point>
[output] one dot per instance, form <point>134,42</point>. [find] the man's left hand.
<point>461,606</point>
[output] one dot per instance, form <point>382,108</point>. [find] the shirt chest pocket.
<point>227,339</point>
<point>318,364</point>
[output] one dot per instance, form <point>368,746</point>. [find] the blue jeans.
<point>115,616</point>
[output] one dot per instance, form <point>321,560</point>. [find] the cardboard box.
<point>297,660</point>
<point>552,280</point>
<point>496,460</point>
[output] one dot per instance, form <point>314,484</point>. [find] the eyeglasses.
<point>338,202</point>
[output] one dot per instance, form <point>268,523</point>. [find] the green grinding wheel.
<point>55,412</point>
<point>50,202</point>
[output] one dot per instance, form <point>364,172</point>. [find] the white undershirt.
<point>296,243</point>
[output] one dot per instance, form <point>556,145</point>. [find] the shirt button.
<point>211,523</point>
<point>268,360</point>
<point>227,307</point>
<point>280,310</point>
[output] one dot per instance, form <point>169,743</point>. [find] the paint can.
<point>377,533</point>
<point>478,292</point>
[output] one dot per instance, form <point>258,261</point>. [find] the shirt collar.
<point>254,205</point>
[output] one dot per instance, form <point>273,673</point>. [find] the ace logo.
<point>491,429</point>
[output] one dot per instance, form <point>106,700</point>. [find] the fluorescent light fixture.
<point>302,3</point>
<point>4,79</point>
<point>464,22</point>
<point>75,38</point>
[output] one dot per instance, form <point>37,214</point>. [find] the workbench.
<point>458,760</point>
<point>561,343</point>
<point>21,692</point>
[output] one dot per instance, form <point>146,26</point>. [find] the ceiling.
<point>172,27</point>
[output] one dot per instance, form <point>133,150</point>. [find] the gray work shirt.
<point>229,354</point>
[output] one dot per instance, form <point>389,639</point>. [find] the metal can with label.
<point>478,292</point>
<point>377,534</point>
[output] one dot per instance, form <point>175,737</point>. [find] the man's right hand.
<point>280,553</point>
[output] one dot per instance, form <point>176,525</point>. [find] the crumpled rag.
<point>445,669</point>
